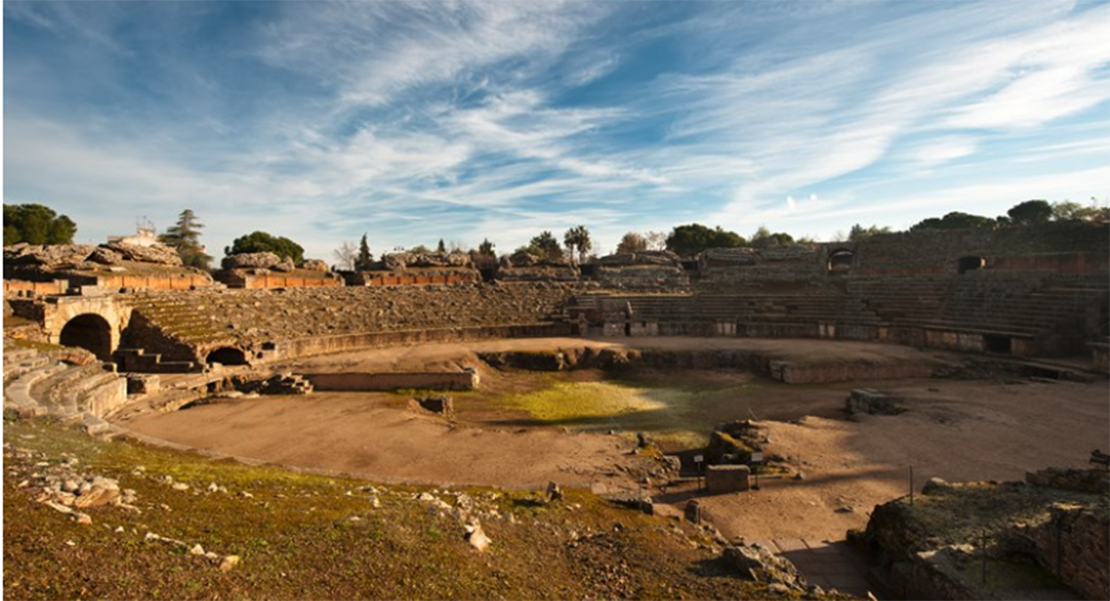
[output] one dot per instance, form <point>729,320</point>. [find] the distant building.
<point>144,236</point>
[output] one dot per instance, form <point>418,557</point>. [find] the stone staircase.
<point>137,360</point>
<point>36,384</point>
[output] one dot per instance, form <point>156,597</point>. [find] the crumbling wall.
<point>1075,546</point>
<point>466,380</point>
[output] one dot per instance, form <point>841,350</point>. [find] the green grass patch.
<point>681,416</point>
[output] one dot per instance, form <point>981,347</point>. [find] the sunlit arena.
<point>571,405</point>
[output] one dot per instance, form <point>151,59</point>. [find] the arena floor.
<point>957,430</point>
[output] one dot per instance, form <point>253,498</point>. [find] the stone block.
<point>727,478</point>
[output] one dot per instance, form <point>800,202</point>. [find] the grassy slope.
<point>297,540</point>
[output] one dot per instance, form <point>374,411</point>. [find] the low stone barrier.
<point>466,380</point>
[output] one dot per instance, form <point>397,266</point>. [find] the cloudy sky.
<point>415,121</point>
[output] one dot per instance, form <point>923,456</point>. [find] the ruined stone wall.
<point>393,381</point>
<point>413,277</point>
<point>1065,247</point>
<point>323,345</point>
<point>304,321</point>
<point>737,266</point>
<point>1075,546</point>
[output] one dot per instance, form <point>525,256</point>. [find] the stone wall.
<point>737,266</point>
<point>322,345</point>
<point>1064,247</point>
<point>414,277</point>
<point>1100,357</point>
<point>394,381</point>
<point>1075,546</point>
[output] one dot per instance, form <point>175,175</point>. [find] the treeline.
<point>38,224</point>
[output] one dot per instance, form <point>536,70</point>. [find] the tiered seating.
<point>35,384</point>
<point>180,319</point>
<point>895,299</point>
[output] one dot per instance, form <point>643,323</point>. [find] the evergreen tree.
<point>545,246</point>
<point>442,248</point>
<point>256,242</point>
<point>486,248</point>
<point>364,259</point>
<point>36,224</point>
<point>184,237</point>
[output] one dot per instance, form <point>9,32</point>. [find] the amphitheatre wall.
<point>1022,291</point>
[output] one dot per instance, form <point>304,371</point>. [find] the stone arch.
<point>226,355</point>
<point>970,263</point>
<point>59,311</point>
<point>839,261</point>
<point>91,332</point>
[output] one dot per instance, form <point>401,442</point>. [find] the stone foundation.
<point>394,381</point>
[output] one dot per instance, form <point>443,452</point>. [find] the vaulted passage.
<point>967,264</point>
<point>90,332</point>
<point>227,356</point>
<point>840,261</point>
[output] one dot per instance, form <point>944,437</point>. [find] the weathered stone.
<point>102,492</point>
<point>727,478</point>
<point>105,256</point>
<point>755,562</point>
<point>157,253</point>
<point>50,256</point>
<point>476,536</point>
<point>314,265</point>
<point>259,260</point>
<point>229,562</point>
<point>554,493</point>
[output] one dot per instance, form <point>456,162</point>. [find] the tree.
<point>363,261</point>
<point>859,232</point>
<point>486,248</point>
<point>1030,212</point>
<point>954,221</point>
<point>632,242</point>
<point>763,237</point>
<point>545,246</point>
<point>578,238</point>
<point>1073,211</point>
<point>346,255</point>
<point>441,248</point>
<point>419,249</point>
<point>184,237</point>
<point>36,224</point>
<point>689,240</point>
<point>656,240</point>
<point>257,242</point>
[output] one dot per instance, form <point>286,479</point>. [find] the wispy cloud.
<point>463,120</point>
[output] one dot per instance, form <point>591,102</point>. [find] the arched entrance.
<point>967,264</point>
<point>840,261</point>
<point>227,355</point>
<point>90,332</point>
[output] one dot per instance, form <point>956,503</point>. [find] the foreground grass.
<point>313,537</point>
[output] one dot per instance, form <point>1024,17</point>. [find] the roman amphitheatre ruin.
<point>779,396</point>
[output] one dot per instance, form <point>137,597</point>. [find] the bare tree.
<point>632,242</point>
<point>346,255</point>
<point>656,240</point>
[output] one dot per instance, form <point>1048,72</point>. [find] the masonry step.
<point>17,395</point>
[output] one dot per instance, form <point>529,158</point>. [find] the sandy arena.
<point>955,430</point>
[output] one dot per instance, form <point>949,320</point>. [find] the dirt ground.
<point>955,430</point>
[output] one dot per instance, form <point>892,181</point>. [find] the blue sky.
<point>415,121</point>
